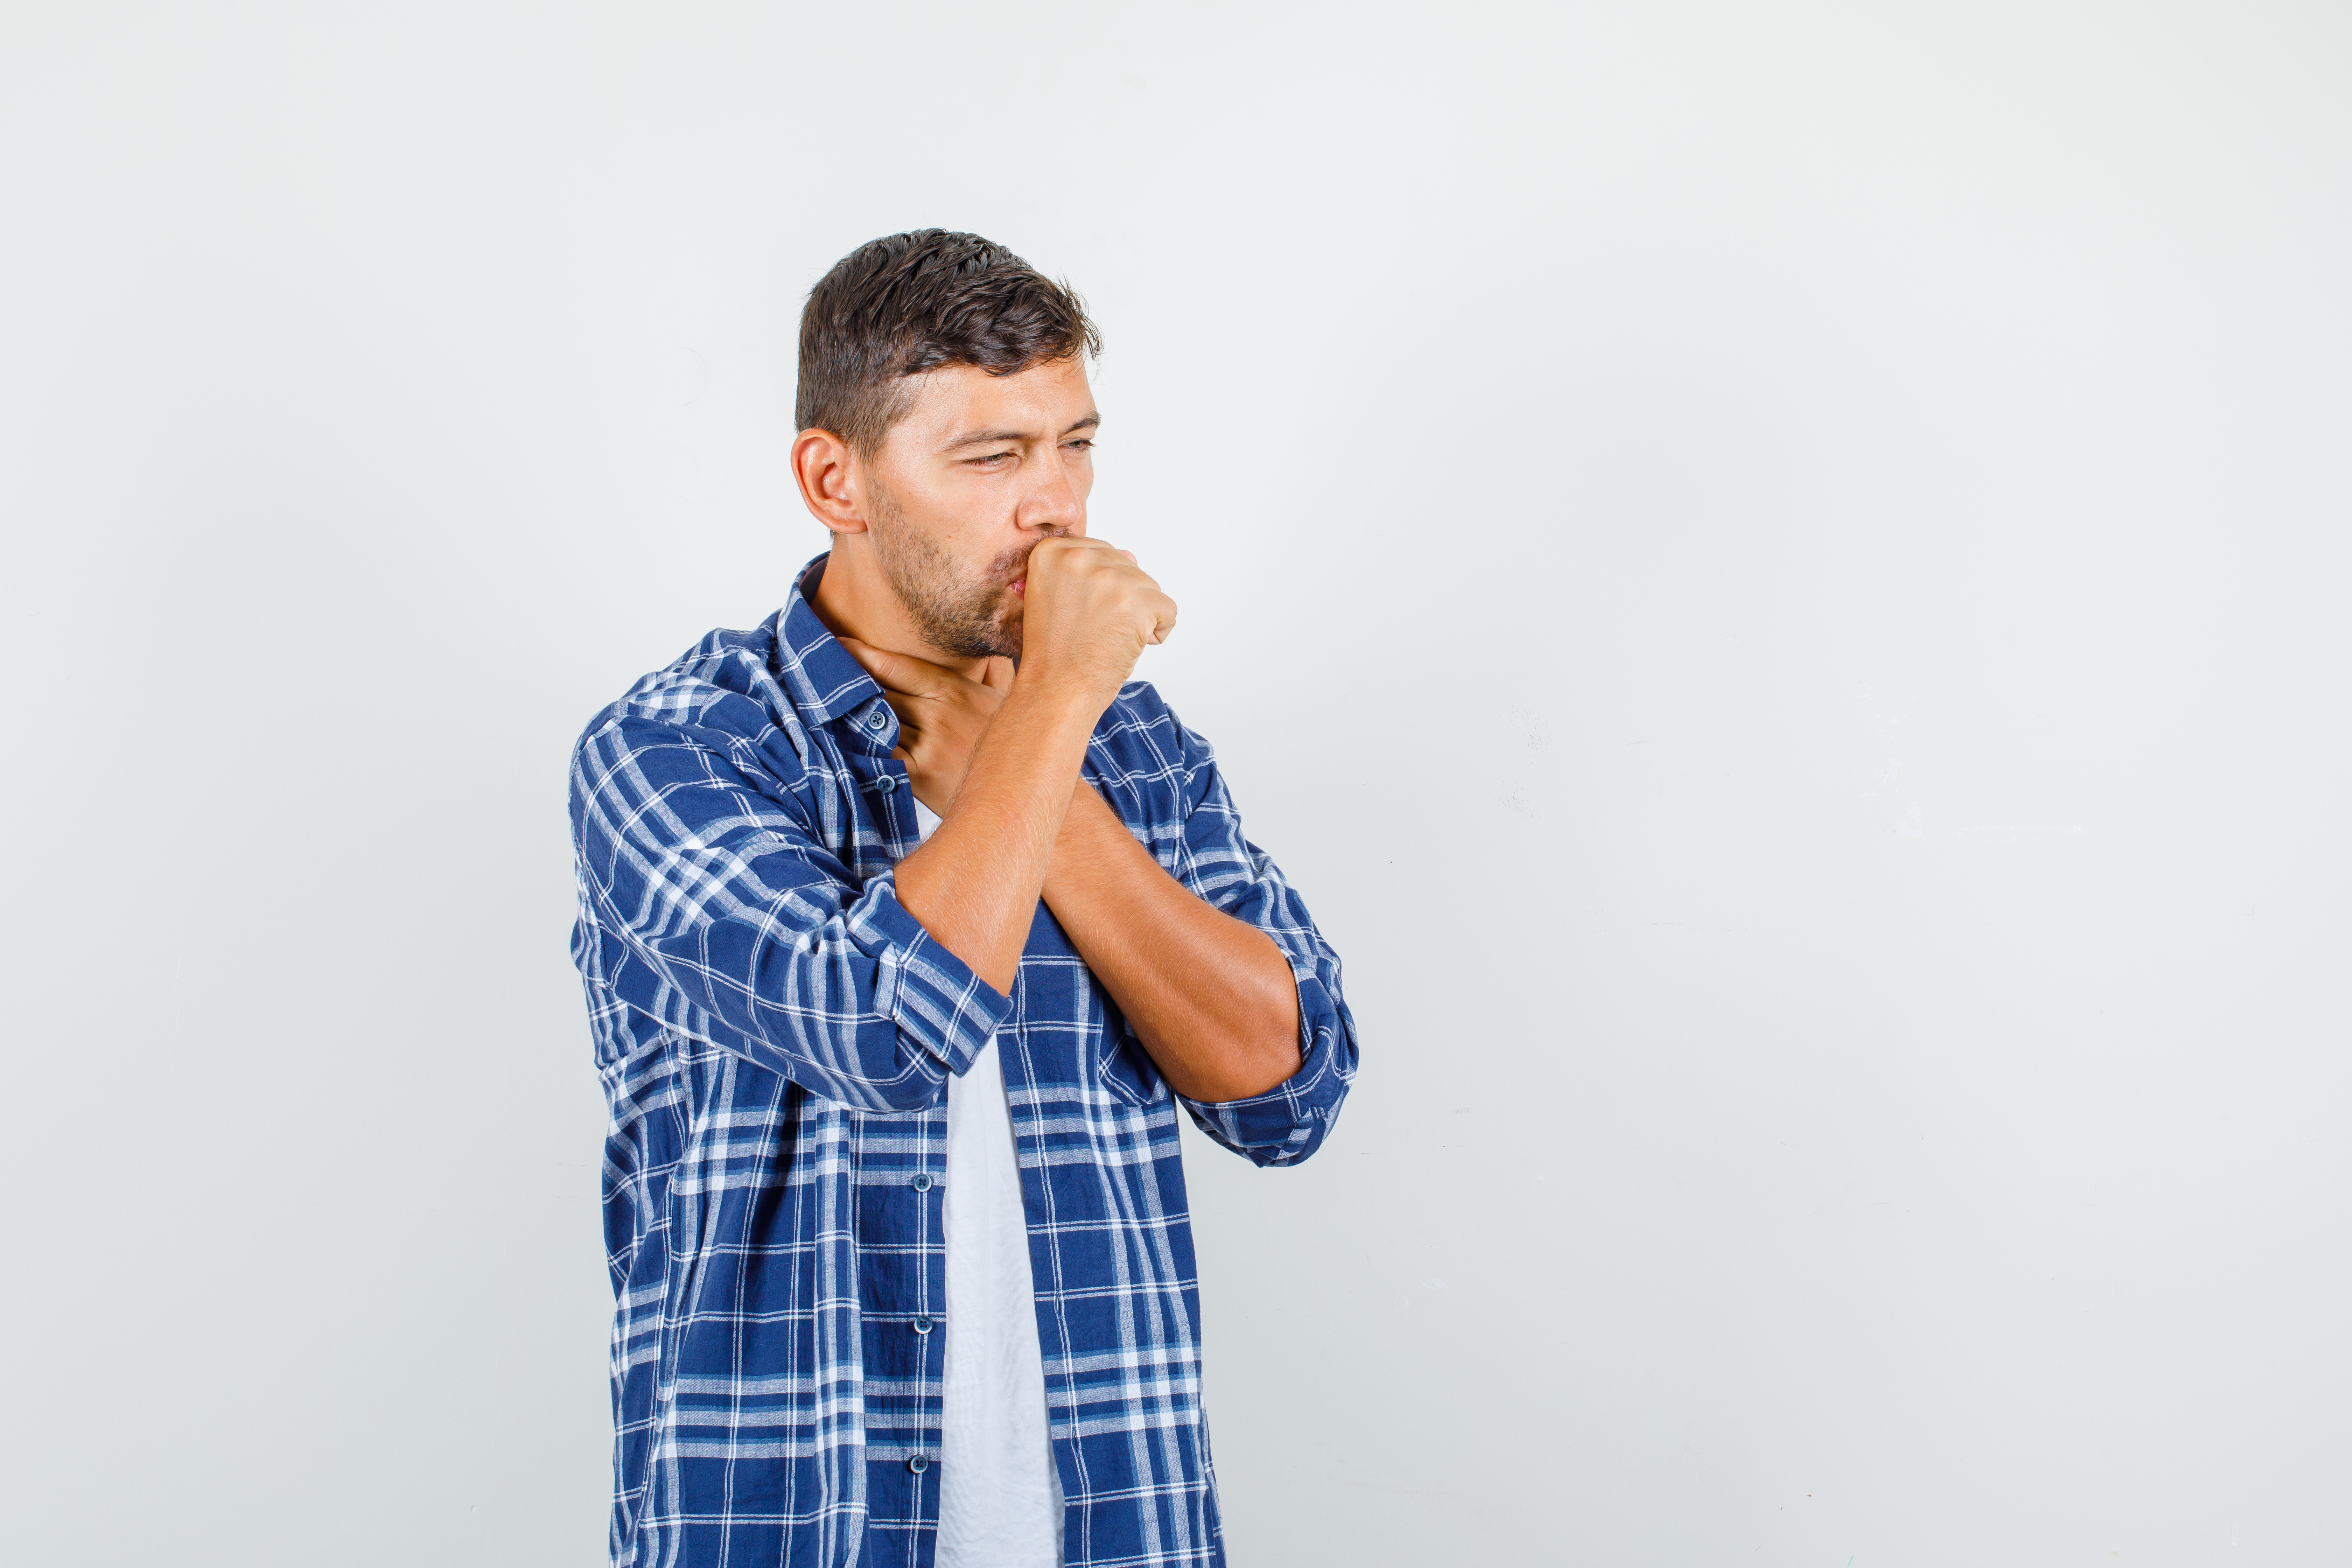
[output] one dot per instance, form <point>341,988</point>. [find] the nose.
<point>1052,504</point>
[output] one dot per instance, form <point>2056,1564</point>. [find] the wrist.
<point>1036,742</point>
<point>1062,705</point>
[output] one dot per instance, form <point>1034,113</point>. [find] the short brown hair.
<point>897,307</point>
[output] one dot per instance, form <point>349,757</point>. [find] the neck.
<point>854,599</point>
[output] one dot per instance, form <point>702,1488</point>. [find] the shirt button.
<point>886,782</point>
<point>922,1182</point>
<point>922,1325</point>
<point>875,719</point>
<point>919,1464</point>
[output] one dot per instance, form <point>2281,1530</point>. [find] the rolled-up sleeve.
<point>1289,1122</point>
<point>709,906</point>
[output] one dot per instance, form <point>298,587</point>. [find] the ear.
<point>827,473</point>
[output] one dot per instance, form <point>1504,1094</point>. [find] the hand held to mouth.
<point>1088,612</point>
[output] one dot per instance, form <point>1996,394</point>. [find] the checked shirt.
<point>774,1034</point>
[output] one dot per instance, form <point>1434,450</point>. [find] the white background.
<point>1773,573</point>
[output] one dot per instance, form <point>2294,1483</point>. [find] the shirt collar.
<point>819,674</point>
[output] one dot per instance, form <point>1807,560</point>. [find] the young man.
<point>907,922</point>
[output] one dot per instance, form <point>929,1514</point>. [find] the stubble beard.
<point>959,613</point>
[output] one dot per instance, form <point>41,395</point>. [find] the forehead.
<point>1043,400</point>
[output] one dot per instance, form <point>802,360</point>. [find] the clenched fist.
<point>1088,612</point>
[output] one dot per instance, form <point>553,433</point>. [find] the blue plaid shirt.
<point>775,1032</point>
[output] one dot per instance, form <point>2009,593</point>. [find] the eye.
<point>991,460</point>
<point>1081,443</point>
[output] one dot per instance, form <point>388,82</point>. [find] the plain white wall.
<point>1774,573</point>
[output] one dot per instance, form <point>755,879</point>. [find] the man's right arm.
<point>974,884</point>
<point>709,907</point>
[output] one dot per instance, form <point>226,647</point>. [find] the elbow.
<point>901,1104</point>
<point>1264,1061</point>
<point>1281,1053</point>
<point>876,1068</point>
<point>1277,1064</point>
<point>913,1090</point>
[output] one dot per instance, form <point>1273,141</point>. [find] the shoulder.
<point>721,693</point>
<point>1163,763</point>
<point>1138,720</point>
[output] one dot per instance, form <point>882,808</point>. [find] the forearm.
<point>974,883</point>
<point>1212,997</point>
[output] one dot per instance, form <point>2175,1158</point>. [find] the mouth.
<point>1020,587</point>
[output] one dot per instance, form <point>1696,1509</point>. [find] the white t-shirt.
<point>1000,1493</point>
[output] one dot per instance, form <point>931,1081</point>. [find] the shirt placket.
<point>903,1481</point>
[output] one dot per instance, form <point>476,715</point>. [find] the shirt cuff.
<point>933,996</point>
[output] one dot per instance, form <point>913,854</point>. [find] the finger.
<point>1072,544</point>
<point>998,675</point>
<point>1165,621</point>
<point>899,671</point>
<point>1131,556</point>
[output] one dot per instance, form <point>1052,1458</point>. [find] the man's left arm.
<point>1230,988</point>
<point>1211,997</point>
<point>1220,975</point>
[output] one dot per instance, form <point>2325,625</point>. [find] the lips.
<point>1020,586</point>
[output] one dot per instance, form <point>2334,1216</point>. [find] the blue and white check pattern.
<point>775,1032</point>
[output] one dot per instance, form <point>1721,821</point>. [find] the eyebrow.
<point>976,437</point>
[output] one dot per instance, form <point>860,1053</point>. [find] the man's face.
<point>980,469</point>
